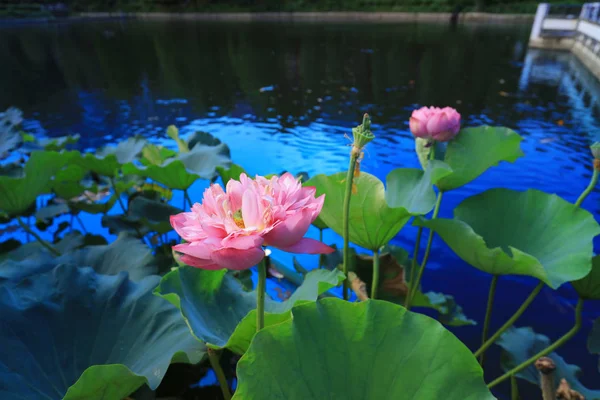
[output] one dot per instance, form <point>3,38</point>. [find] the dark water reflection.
<point>283,96</point>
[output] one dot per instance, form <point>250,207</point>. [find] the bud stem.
<point>488,315</point>
<point>589,189</point>
<point>260,294</point>
<point>346,219</point>
<point>213,357</point>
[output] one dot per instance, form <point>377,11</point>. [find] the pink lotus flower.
<point>228,229</point>
<point>434,123</point>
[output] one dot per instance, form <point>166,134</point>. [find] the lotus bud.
<point>362,134</point>
<point>435,124</point>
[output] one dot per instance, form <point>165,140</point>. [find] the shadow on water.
<point>283,96</point>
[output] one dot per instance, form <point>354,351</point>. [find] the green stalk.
<point>589,189</point>
<point>547,350</point>
<point>415,287</point>
<point>488,315</point>
<point>187,197</point>
<point>375,282</point>
<point>112,183</point>
<point>346,218</point>
<point>260,295</point>
<point>413,267</point>
<point>81,223</point>
<point>213,357</point>
<point>514,388</point>
<point>38,237</point>
<point>511,321</point>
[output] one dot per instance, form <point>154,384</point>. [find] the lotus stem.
<point>414,287</point>
<point>590,187</point>
<point>187,197</point>
<point>346,217</point>
<point>260,294</point>
<point>37,237</point>
<point>375,283</point>
<point>214,356</point>
<point>413,266</point>
<point>112,183</point>
<point>81,223</point>
<point>488,315</point>
<point>547,350</point>
<point>514,388</point>
<point>512,319</point>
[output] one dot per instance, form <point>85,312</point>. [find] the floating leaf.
<point>218,310</point>
<point>18,194</point>
<point>74,334</point>
<point>588,287</point>
<point>412,188</point>
<point>474,150</point>
<point>204,160</point>
<point>206,139</point>
<point>520,344</point>
<point>372,222</point>
<point>334,349</point>
<point>532,233</point>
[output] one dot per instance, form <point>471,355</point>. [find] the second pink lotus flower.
<point>230,227</point>
<point>434,123</point>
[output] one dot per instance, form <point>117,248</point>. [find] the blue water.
<point>284,97</point>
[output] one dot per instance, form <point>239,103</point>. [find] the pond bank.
<point>287,17</point>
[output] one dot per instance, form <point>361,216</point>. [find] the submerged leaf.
<point>74,334</point>
<point>520,344</point>
<point>333,349</point>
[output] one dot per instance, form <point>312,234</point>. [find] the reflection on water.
<point>283,96</point>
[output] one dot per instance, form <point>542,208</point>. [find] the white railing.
<point>566,21</point>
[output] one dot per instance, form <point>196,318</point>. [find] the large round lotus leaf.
<point>473,151</point>
<point>222,314</point>
<point>588,287</point>
<point>125,151</point>
<point>71,333</point>
<point>18,194</point>
<point>372,222</point>
<point>371,350</point>
<point>530,233</point>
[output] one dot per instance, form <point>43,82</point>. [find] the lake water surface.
<point>283,96</point>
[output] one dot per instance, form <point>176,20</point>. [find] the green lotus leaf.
<point>206,139</point>
<point>18,194</point>
<point>475,150</point>
<point>122,223</point>
<point>588,287</point>
<point>173,174</point>
<point>103,165</point>
<point>125,151</point>
<point>532,233</point>
<point>50,211</point>
<point>204,160</point>
<point>219,311</point>
<point>94,208</point>
<point>9,140</point>
<point>73,334</point>
<point>59,143</point>
<point>412,188</point>
<point>67,182</point>
<point>372,222</point>
<point>124,254</point>
<point>153,214</point>
<point>233,172</point>
<point>449,312</point>
<point>334,349</point>
<point>519,344</point>
<point>156,155</point>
